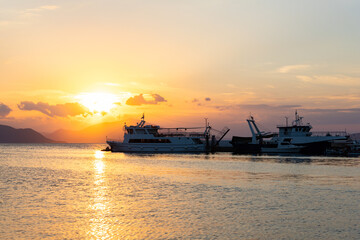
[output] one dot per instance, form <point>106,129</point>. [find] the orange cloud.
<point>291,68</point>
<point>58,110</point>
<point>140,100</point>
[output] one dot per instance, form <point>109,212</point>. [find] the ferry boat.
<point>296,138</point>
<point>143,138</point>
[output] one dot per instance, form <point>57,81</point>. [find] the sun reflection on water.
<point>99,154</point>
<point>100,227</point>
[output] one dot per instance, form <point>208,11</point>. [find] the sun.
<point>98,101</point>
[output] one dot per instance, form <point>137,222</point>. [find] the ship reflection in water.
<point>73,191</point>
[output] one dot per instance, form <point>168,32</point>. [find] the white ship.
<point>143,138</point>
<point>294,138</point>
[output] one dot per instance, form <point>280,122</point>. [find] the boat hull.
<point>155,148</point>
<point>246,148</point>
<point>281,150</point>
<point>314,148</point>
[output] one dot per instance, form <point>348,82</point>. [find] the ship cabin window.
<point>140,131</point>
<point>130,131</point>
<point>197,140</point>
<point>285,131</point>
<point>149,141</point>
<point>152,131</point>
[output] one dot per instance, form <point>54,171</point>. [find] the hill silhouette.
<point>93,134</point>
<point>26,135</point>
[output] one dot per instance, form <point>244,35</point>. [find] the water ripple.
<point>76,192</point>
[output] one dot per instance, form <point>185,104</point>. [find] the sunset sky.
<point>71,64</point>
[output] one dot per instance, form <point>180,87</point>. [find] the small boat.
<point>143,138</point>
<point>347,148</point>
<point>296,138</point>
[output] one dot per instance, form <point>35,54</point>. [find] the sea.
<point>77,191</point>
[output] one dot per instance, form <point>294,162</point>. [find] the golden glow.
<point>99,155</point>
<point>100,226</point>
<point>98,101</point>
<point>99,167</point>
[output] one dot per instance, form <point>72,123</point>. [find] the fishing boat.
<point>296,138</point>
<point>142,138</point>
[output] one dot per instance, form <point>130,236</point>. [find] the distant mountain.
<point>93,134</point>
<point>27,135</point>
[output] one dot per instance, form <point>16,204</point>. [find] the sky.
<point>72,64</point>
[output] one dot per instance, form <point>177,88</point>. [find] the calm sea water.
<point>75,191</point>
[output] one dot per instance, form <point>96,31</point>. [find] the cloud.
<point>207,99</point>
<point>229,85</point>
<point>257,107</point>
<point>267,107</point>
<point>332,110</point>
<point>49,7</point>
<point>158,98</point>
<point>41,8</point>
<point>33,12</point>
<point>21,17</point>
<point>145,99</point>
<point>291,68</point>
<point>338,117</point>
<point>58,110</point>
<point>4,110</point>
<point>304,78</point>
<point>337,80</point>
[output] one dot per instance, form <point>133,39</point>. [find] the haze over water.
<point>74,191</point>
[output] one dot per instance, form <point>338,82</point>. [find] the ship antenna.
<point>297,119</point>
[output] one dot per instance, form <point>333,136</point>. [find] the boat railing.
<point>179,134</point>
<point>326,133</point>
<point>330,133</point>
<point>290,126</point>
